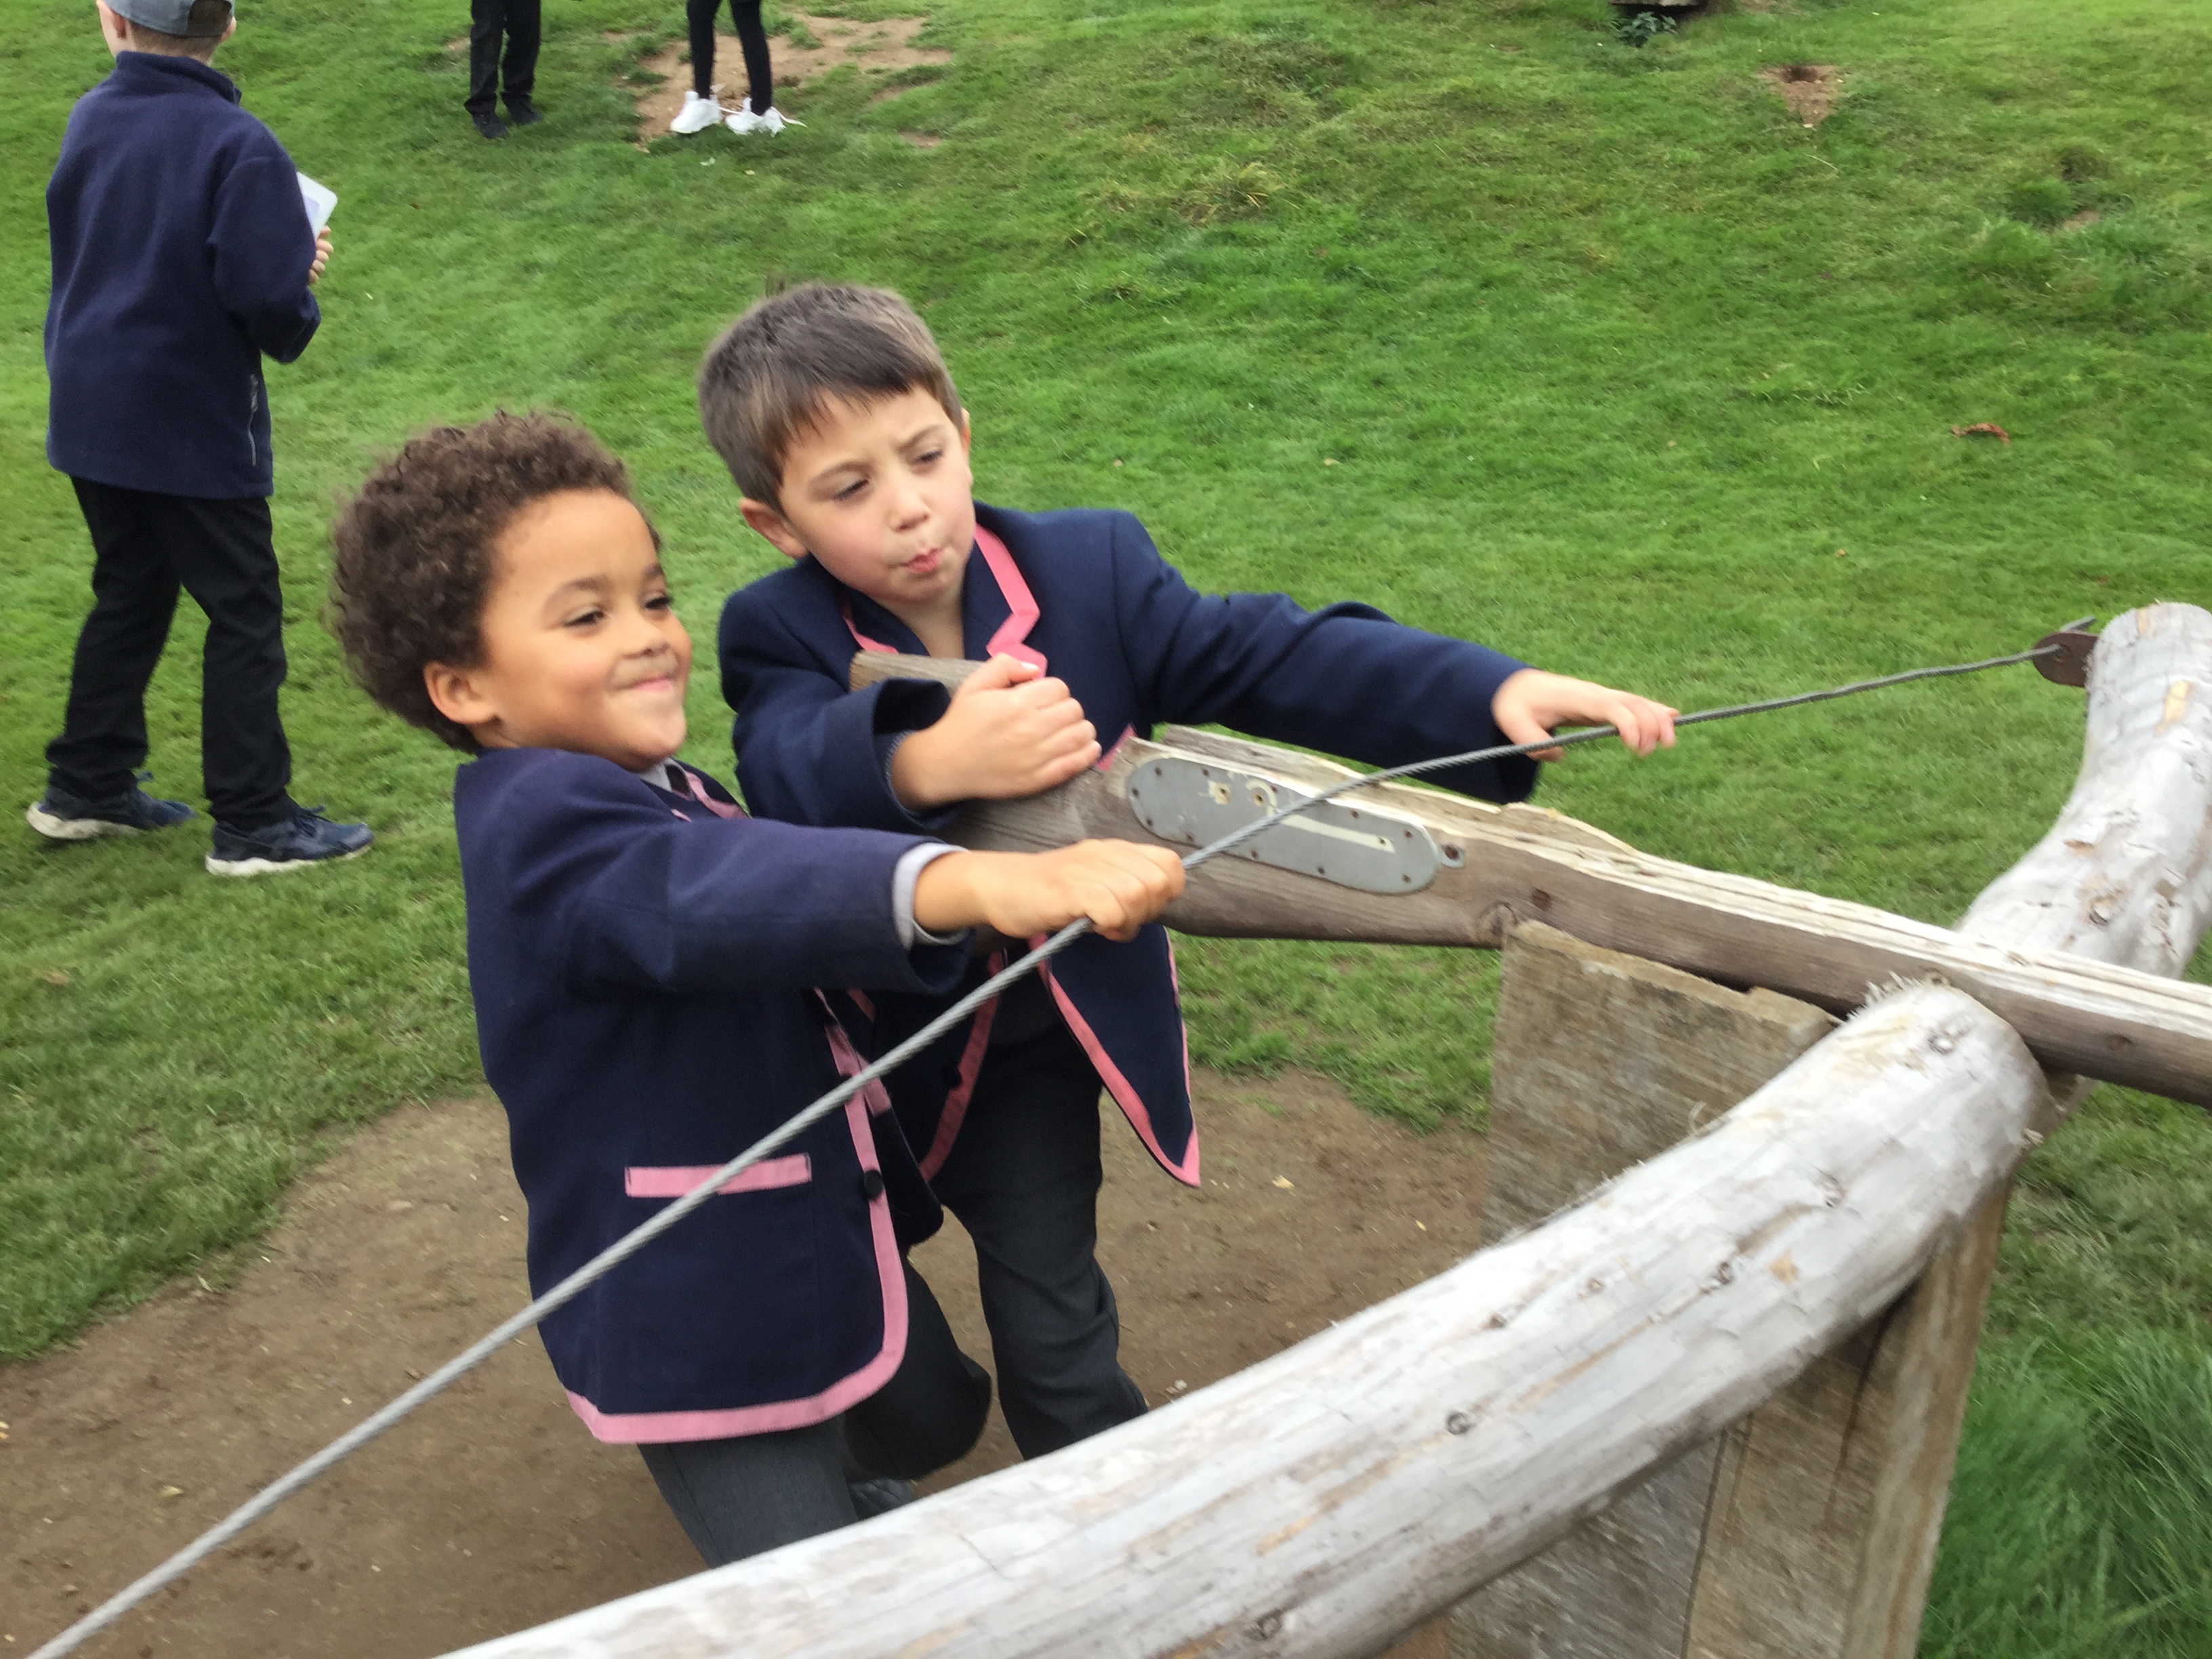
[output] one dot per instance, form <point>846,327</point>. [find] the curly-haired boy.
<point>643,956</point>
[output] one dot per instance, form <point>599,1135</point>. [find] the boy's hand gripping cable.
<point>2062,656</point>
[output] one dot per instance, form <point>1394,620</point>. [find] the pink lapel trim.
<point>1021,607</point>
<point>954,1110</point>
<point>845,604</point>
<point>1118,1086</point>
<point>1021,604</point>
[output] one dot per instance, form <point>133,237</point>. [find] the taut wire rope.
<point>630,1243</point>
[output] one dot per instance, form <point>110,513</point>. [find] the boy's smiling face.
<point>580,647</point>
<point>881,494</point>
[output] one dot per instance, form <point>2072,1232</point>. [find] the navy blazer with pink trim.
<point>640,962</point>
<point>1086,592</point>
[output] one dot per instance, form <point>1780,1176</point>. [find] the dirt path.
<point>493,1510</point>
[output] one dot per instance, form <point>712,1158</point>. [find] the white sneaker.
<point>696,116</point>
<point>771,122</point>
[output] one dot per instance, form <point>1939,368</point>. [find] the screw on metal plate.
<point>1182,800</point>
<point>2069,664</point>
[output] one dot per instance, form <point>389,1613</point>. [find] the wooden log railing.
<point>1327,1500</point>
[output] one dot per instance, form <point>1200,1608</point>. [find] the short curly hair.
<point>414,553</point>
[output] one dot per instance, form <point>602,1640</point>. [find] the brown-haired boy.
<point>643,958</point>
<point>839,422</point>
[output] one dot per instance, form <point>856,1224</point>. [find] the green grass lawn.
<point>1463,308</point>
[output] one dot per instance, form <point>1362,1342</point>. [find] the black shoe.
<point>293,843</point>
<point>490,125</point>
<point>880,1495</point>
<point>61,816</point>
<point>524,114</point>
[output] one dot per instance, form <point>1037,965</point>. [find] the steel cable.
<point>629,1245</point>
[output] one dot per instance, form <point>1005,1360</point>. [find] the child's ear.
<point>453,693</point>
<point>774,525</point>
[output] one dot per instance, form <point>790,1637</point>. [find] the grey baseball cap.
<point>196,20</point>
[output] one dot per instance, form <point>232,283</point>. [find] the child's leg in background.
<point>222,554</point>
<point>738,1496</point>
<point>1023,1179</point>
<point>519,70</point>
<point>699,18</point>
<point>759,74</point>
<point>134,598</point>
<point>487,30</point>
<point>225,556</point>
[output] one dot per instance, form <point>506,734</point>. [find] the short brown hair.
<point>414,555</point>
<point>765,380</point>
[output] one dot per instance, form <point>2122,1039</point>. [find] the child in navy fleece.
<point>642,956</point>
<point>182,255</point>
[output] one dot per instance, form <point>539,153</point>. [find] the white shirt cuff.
<point>904,875</point>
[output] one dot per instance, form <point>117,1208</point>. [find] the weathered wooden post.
<point>1810,1527</point>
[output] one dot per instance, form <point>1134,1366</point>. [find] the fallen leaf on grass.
<point>1283,1181</point>
<point>1983,429</point>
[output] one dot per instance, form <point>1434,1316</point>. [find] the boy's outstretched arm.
<point>1533,704</point>
<point>1118,884</point>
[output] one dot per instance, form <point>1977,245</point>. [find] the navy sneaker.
<point>525,114</point>
<point>490,125</point>
<point>293,843</point>
<point>64,817</point>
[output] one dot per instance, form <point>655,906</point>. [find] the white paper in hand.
<point>321,201</point>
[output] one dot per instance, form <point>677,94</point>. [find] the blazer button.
<point>871,1184</point>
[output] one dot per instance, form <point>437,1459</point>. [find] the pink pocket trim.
<point>655,1428</point>
<point>674,1180</point>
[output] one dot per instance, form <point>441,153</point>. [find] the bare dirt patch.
<point>922,140</point>
<point>493,1510</point>
<point>1811,90</point>
<point>876,49</point>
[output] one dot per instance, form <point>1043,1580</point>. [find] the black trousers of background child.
<point>146,547</point>
<point>514,76</point>
<point>746,15</point>
<point>738,1496</point>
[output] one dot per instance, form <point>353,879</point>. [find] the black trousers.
<point>145,548</point>
<point>1024,1178</point>
<point>745,15</point>
<point>738,1496</point>
<point>515,78</point>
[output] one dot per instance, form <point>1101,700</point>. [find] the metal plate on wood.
<point>1196,803</point>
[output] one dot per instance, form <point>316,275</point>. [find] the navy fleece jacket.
<point>181,250</point>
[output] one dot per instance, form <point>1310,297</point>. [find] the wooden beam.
<point>1328,1500</point>
<point>2077,1013</point>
